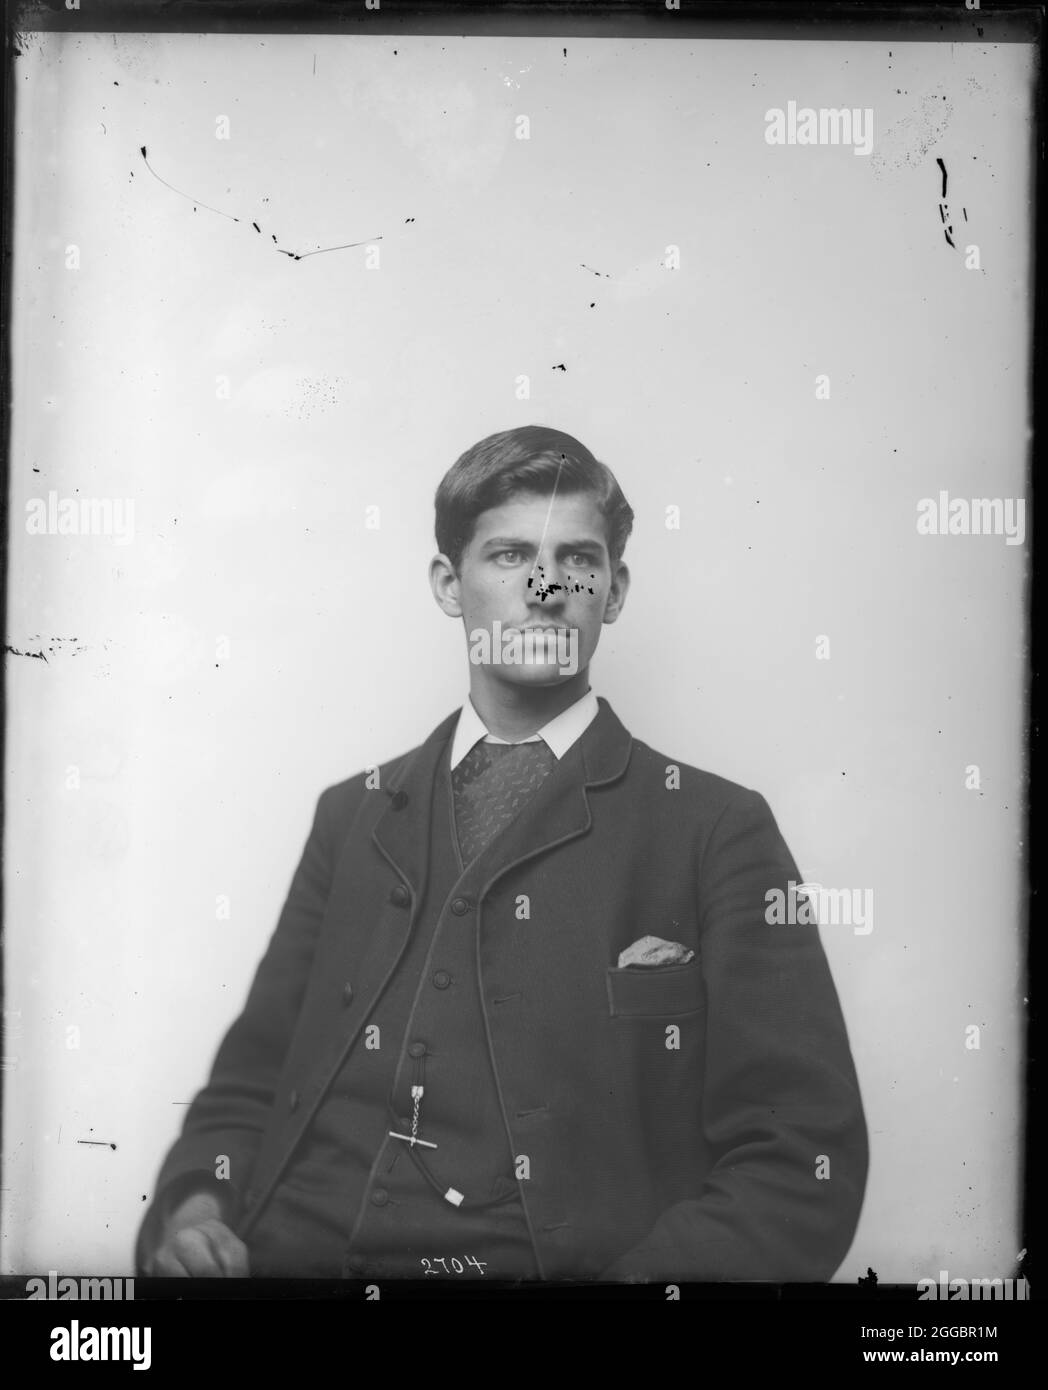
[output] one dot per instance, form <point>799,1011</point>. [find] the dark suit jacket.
<point>676,1118</point>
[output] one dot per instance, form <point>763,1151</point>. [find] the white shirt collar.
<point>558,735</point>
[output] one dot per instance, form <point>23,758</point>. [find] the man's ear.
<point>445,585</point>
<point>620,586</point>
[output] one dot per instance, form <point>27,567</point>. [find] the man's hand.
<point>198,1243</point>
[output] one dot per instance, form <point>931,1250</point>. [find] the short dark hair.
<point>530,459</point>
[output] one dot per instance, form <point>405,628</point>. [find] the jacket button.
<point>400,897</point>
<point>347,993</point>
<point>292,1100</point>
<point>460,907</point>
<point>417,1049</point>
<point>442,979</point>
<point>379,1197</point>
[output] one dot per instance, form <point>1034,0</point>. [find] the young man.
<point>523,1015</point>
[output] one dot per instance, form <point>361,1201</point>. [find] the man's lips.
<point>535,627</point>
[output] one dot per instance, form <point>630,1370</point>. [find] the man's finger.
<point>165,1264</point>
<point>229,1250</point>
<point>192,1247</point>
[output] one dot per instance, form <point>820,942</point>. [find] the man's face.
<point>537,563</point>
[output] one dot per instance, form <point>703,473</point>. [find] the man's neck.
<point>516,712</point>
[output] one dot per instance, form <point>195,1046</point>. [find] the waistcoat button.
<point>347,993</point>
<point>292,1100</point>
<point>442,979</point>
<point>460,907</point>
<point>400,897</point>
<point>417,1049</point>
<point>379,1197</point>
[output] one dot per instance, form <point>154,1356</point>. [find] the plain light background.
<point>255,642</point>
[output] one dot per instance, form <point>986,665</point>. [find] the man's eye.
<point>581,561</point>
<point>510,557</point>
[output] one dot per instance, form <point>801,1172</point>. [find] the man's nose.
<point>547,581</point>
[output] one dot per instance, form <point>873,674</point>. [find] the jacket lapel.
<point>402,833</point>
<point>560,811</point>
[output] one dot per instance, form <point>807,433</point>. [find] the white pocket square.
<point>652,950</point>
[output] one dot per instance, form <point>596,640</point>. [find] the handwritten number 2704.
<point>457,1266</point>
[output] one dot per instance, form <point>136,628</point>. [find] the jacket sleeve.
<point>781,1108</point>
<point>228,1117</point>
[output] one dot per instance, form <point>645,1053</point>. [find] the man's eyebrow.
<point>582,543</point>
<point>579,543</point>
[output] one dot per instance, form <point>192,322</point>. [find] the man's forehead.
<point>578,510</point>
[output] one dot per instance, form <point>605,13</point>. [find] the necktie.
<point>491,785</point>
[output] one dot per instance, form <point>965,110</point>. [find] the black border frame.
<point>818,20</point>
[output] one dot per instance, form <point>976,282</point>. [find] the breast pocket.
<point>655,991</point>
